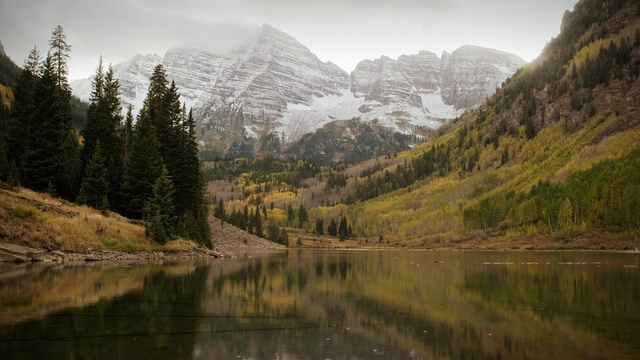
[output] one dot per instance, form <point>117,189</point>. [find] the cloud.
<point>341,31</point>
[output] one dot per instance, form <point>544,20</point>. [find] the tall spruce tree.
<point>343,230</point>
<point>319,227</point>
<point>179,150</point>
<point>23,110</point>
<point>127,134</point>
<point>51,156</point>
<point>103,125</point>
<point>143,167</point>
<point>60,56</point>
<point>160,223</point>
<point>333,228</point>
<point>95,187</point>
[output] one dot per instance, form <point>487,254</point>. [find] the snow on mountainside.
<point>267,76</point>
<point>440,88</point>
<point>471,73</point>
<point>275,85</point>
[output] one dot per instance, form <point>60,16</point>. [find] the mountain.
<point>423,86</point>
<point>349,141</point>
<point>551,161</point>
<point>273,86</point>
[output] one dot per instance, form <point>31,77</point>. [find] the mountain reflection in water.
<point>329,304</point>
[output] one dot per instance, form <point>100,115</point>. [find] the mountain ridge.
<point>276,85</point>
<point>551,161</point>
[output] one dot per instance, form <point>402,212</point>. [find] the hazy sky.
<point>341,31</point>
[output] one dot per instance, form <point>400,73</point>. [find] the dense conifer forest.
<point>148,170</point>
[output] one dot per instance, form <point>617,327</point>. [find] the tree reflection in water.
<point>338,305</point>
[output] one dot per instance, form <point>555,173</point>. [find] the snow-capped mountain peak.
<point>273,84</point>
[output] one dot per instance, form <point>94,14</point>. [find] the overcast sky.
<point>341,31</point>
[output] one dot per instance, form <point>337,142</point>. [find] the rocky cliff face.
<point>470,74</point>
<point>441,87</point>
<point>267,76</point>
<point>275,85</point>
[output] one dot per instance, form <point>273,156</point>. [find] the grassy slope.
<point>429,213</point>
<point>37,220</point>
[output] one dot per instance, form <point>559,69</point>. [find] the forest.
<point>148,171</point>
<point>552,155</point>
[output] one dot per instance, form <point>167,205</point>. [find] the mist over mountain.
<point>271,84</point>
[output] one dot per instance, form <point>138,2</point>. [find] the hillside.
<point>552,160</point>
<point>536,161</point>
<point>64,230</point>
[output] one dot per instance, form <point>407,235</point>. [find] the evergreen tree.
<point>303,217</point>
<point>23,109</point>
<point>143,167</point>
<point>175,132</point>
<point>95,187</point>
<point>333,228</point>
<point>60,56</point>
<point>291,215</point>
<point>319,227</point>
<point>50,159</point>
<point>159,224</point>
<point>127,134</point>
<point>343,230</point>
<point>219,211</point>
<point>103,125</point>
<point>258,225</point>
<point>186,167</point>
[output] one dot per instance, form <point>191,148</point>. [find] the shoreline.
<point>18,254</point>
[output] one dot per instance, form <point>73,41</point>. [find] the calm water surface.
<point>329,305</point>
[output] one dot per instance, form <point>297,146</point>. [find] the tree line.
<point>148,170</point>
<point>606,196</point>
<point>251,221</point>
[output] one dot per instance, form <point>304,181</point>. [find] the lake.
<point>321,304</point>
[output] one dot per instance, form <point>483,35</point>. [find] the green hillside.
<point>555,153</point>
<point>551,161</point>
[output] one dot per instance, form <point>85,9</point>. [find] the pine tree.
<point>60,56</point>
<point>219,211</point>
<point>319,227</point>
<point>258,224</point>
<point>95,126</point>
<point>51,155</point>
<point>23,112</point>
<point>291,215</point>
<point>159,224</point>
<point>103,125</point>
<point>95,187</point>
<point>127,134</point>
<point>343,230</point>
<point>175,131</point>
<point>143,167</point>
<point>333,228</point>
<point>303,217</point>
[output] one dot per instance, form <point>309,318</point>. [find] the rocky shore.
<point>23,254</point>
